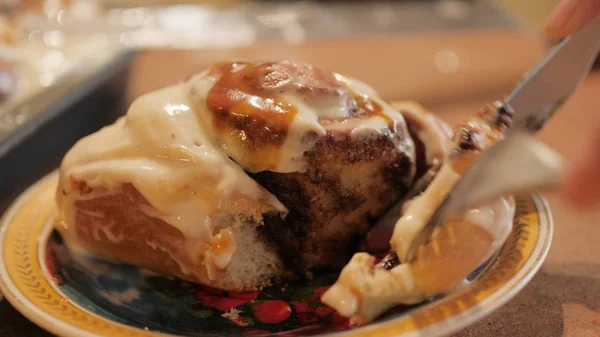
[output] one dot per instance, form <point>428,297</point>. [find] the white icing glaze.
<point>360,127</point>
<point>420,209</point>
<point>307,121</point>
<point>162,149</point>
<point>309,114</point>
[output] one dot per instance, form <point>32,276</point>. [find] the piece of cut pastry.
<point>365,289</point>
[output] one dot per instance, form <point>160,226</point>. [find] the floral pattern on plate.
<point>143,299</point>
<point>74,295</point>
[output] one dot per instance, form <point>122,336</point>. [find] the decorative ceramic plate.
<point>81,296</point>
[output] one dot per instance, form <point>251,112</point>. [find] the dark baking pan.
<point>60,116</point>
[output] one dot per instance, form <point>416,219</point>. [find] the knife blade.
<point>548,85</point>
<point>534,101</point>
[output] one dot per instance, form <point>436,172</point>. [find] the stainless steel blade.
<point>552,81</point>
<point>518,164</point>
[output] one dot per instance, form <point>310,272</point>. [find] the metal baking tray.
<point>195,24</point>
<point>59,116</point>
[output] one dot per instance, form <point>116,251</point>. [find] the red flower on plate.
<point>339,323</point>
<point>241,321</point>
<point>319,292</point>
<point>272,312</point>
<point>301,307</point>
<point>304,313</point>
<point>257,332</point>
<point>304,331</point>
<point>211,290</point>
<point>324,311</point>
<point>52,263</point>
<point>244,296</point>
<point>219,300</point>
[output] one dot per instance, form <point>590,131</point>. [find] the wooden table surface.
<point>452,74</point>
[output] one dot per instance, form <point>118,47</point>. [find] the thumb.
<point>569,16</point>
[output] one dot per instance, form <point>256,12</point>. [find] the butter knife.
<point>533,102</point>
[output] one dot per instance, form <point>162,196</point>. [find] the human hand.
<point>581,184</point>
<point>570,16</point>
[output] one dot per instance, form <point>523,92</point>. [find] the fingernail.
<point>560,16</point>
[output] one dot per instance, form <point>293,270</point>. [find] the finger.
<point>581,185</point>
<point>569,16</point>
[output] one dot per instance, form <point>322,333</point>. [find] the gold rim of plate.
<point>26,283</point>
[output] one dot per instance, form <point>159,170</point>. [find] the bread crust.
<point>118,226</point>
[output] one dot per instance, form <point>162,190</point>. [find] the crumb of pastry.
<point>232,314</point>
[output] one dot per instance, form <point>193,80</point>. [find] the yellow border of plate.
<point>27,285</point>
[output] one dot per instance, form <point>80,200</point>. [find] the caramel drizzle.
<point>252,121</point>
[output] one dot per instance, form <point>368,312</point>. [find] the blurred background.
<point>407,49</point>
<point>68,67</point>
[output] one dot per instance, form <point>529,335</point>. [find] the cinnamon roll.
<point>241,176</point>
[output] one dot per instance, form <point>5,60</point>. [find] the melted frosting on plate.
<point>364,290</point>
